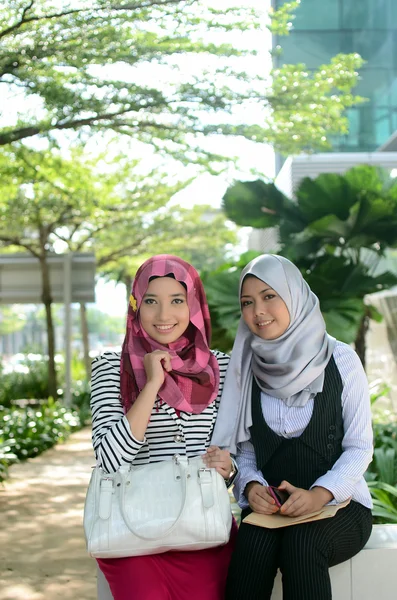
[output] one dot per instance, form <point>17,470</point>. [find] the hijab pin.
<point>133,303</point>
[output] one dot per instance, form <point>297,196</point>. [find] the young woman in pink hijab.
<point>157,398</point>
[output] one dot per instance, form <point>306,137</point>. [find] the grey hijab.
<point>290,367</point>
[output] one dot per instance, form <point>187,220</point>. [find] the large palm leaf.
<point>384,497</point>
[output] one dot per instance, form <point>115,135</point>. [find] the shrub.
<point>7,458</point>
<point>80,401</point>
<point>33,384</point>
<point>27,432</point>
<point>29,423</point>
<point>382,472</point>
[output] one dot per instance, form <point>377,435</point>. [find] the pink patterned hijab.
<point>193,382</point>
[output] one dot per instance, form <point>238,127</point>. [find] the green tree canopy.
<point>198,235</point>
<point>50,204</point>
<point>98,66</point>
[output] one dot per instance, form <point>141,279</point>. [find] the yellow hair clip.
<point>133,303</point>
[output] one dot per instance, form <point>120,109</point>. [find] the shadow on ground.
<point>42,547</point>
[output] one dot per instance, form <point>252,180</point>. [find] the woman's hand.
<point>218,459</point>
<point>259,498</point>
<point>155,364</point>
<point>302,502</point>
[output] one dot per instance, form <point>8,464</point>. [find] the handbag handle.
<point>167,531</point>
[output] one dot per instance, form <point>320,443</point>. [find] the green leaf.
<point>343,321</point>
<point>386,465</point>
<point>374,314</point>
<point>384,486</point>
<point>327,193</point>
<point>254,203</point>
<point>328,226</point>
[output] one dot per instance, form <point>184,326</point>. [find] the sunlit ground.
<point>42,549</point>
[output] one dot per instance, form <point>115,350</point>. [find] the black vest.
<point>303,459</point>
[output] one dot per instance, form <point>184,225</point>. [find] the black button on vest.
<point>303,459</point>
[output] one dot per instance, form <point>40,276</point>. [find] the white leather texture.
<point>170,505</point>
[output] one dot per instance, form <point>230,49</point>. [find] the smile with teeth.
<point>265,323</point>
<point>164,328</point>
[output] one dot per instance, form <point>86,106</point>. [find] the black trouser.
<point>303,553</point>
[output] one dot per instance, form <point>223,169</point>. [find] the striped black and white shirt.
<point>166,434</point>
<point>346,478</point>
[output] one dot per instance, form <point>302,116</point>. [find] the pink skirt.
<point>198,575</point>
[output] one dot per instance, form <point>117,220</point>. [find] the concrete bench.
<point>372,574</point>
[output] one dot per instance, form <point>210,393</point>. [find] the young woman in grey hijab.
<point>295,411</point>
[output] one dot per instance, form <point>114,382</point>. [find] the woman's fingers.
<point>157,356</point>
<point>160,356</point>
<point>260,501</point>
<point>261,506</point>
<point>167,362</point>
<point>290,504</point>
<point>155,364</point>
<point>218,459</point>
<point>214,453</point>
<point>295,509</point>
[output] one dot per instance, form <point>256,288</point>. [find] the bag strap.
<point>183,477</point>
<point>205,481</point>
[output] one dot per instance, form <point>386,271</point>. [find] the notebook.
<point>277,520</point>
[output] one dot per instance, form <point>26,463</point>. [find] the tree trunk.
<point>84,335</point>
<point>360,341</point>
<point>47,301</point>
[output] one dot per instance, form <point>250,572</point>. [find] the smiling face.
<point>164,313</point>
<point>263,310</point>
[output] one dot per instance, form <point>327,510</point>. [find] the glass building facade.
<point>323,28</point>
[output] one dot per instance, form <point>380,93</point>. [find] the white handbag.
<point>170,505</point>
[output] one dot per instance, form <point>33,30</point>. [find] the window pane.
<point>374,46</point>
<point>383,126</point>
<point>312,48</point>
<point>351,138</point>
<point>313,14</point>
<point>393,94</point>
<point>374,84</point>
<point>394,120</point>
<point>365,14</point>
<point>393,14</point>
<point>394,46</point>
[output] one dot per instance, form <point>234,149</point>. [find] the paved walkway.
<point>42,546</point>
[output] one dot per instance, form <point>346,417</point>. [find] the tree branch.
<point>24,132</point>
<point>17,242</point>
<point>61,190</point>
<point>23,20</point>
<point>60,237</point>
<point>91,234</point>
<point>120,253</point>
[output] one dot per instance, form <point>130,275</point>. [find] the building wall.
<point>264,240</point>
<point>311,165</point>
<point>324,28</point>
